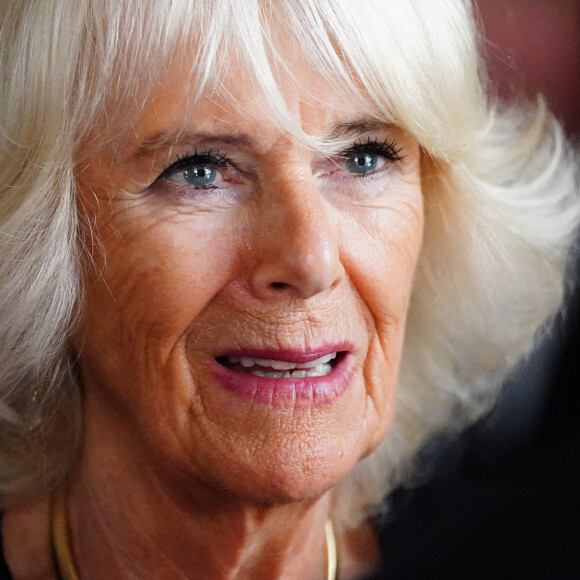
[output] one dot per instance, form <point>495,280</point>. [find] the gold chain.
<point>60,540</point>
<point>331,551</point>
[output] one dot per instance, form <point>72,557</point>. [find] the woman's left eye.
<point>364,163</point>
<point>370,157</point>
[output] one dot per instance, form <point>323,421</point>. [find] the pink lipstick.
<point>288,378</point>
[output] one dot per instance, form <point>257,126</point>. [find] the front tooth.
<point>281,365</point>
<point>319,361</point>
<point>306,365</point>
<point>247,362</point>
<point>274,364</point>
<point>319,371</point>
<point>263,362</point>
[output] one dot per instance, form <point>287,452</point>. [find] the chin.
<point>286,479</point>
<point>281,490</point>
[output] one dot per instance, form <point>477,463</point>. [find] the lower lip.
<point>288,393</point>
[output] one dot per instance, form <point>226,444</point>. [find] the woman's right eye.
<point>197,171</point>
<point>198,176</point>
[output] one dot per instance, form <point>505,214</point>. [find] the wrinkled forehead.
<point>384,57</point>
<point>304,106</point>
<point>234,63</point>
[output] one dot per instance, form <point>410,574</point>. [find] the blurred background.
<point>534,46</point>
<point>504,500</point>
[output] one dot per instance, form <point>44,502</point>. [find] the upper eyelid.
<point>214,157</point>
<point>188,159</point>
<point>385,145</point>
<point>209,157</point>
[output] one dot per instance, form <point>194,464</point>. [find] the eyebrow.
<point>163,140</point>
<point>168,139</point>
<point>359,126</point>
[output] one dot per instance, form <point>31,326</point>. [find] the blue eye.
<point>362,163</point>
<point>197,171</point>
<point>201,176</point>
<point>371,156</point>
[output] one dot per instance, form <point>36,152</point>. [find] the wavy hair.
<point>499,183</point>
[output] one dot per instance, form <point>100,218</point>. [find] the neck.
<point>128,520</point>
<point>113,533</point>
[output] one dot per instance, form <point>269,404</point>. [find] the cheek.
<point>158,277</point>
<point>380,257</point>
<point>161,275</point>
<point>380,254</point>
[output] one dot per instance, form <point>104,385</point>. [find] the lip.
<point>289,355</point>
<point>292,393</point>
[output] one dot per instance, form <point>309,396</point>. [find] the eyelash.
<point>386,149</point>
<point>209,157</point>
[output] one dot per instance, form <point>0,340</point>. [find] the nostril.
<point>278,285</point>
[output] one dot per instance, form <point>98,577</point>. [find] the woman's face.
<point>245,324</point>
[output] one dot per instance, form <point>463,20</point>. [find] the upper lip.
<point>293,355</point>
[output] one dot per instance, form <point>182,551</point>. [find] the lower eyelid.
<point>333,166</point>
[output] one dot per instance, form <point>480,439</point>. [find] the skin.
<point>179,477</point>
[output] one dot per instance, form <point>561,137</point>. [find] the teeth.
<point>277,375</point>
<point>319,361</point>
<point>247,362</point>
<point>279,365</point>
<point>318,371</point>
<point>282,365</point>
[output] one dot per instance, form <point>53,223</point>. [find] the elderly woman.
<point>219,220</point>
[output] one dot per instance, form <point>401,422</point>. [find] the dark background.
<point>504,502</point>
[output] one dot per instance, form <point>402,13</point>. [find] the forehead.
<point>258,57</point>
<point>307,104</point>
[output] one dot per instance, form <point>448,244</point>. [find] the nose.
<point>295,246</point>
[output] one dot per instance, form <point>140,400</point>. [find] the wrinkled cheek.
<point>148,292</point>
<point>388,301</point>
<point>381,375</point>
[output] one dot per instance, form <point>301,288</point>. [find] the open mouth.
<point>278,369</point>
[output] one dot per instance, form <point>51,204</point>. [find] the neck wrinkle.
<point>126,527</point>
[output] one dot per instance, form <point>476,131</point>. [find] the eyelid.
<point>387,148</point>
<point>185,161</point>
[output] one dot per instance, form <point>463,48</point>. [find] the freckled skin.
<point>287,255</point>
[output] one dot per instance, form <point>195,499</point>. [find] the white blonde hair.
<point>500,190</point>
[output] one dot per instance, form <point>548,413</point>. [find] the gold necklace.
<point>60,541</point>
<point>64,559</point>
<point>331,551</point>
